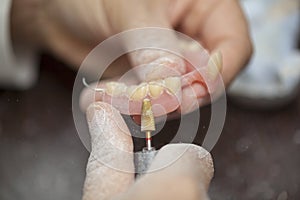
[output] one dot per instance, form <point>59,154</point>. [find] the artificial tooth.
<point>115,88</point>
<point>155,89</point>
<point>173,84</point>
<point>139,92</point>
<point>215,65</point>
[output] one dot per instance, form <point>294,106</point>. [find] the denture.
<point>165,94</point>
<point>127,98</point>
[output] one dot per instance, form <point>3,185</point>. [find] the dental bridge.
<point>144,158</point>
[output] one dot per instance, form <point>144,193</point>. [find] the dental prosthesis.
<point>166,94</point>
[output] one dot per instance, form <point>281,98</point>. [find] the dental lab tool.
<point>144,158</point>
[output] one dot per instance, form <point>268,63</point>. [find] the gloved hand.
<point>186,178</point>
<point>71,29</point>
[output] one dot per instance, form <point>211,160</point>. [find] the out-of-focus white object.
<point>272,77</point>
<point>18,67</point>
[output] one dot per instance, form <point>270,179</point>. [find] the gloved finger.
<point>229,35</point>
<point>110,169</point>
<point>184,169</point>
<point>157,64</point>
<point>154,62</point>
<point>169,53</point>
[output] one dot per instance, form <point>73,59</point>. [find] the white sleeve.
<point>18,67</point>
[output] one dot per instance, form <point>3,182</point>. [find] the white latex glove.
<point>187,178</point>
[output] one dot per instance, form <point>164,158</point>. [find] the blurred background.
<point>256,157</point>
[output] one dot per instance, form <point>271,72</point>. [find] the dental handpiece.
<point>144,158</point>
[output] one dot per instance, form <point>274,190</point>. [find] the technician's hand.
<point>70,29</point>
<point>187,178</point>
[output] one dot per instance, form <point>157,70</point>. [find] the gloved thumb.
<point>110,169</point>
<point>184,169</point>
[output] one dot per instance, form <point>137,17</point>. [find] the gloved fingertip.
<point>94,108</point>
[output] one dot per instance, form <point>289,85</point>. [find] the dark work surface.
<point>42,157</point>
